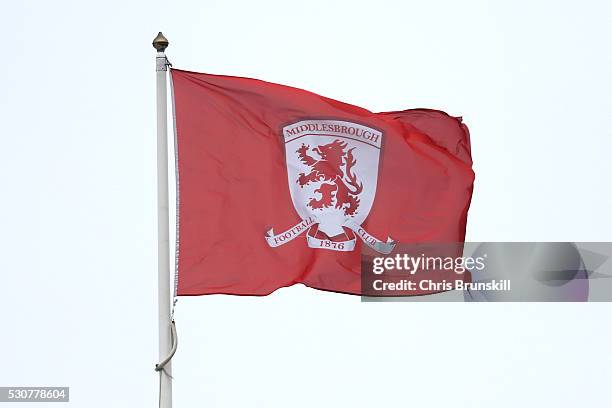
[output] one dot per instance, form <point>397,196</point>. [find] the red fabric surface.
<point>233,185</point>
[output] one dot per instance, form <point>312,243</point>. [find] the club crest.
<point>332,170</point>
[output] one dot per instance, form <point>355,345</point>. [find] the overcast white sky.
<point>77,214</point>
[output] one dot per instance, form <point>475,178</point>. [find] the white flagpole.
<point>160,43</point>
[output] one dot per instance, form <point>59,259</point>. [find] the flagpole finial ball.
<point>160,43</point>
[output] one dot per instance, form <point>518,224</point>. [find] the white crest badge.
<point>332,170</point>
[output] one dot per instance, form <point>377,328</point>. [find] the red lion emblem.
<point>334,168</point>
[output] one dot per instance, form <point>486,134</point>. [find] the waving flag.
<point>278,186</point>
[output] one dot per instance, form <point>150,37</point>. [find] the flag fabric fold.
<point>278,186</point>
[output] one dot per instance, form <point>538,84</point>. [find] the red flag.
<point>278,186</point>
